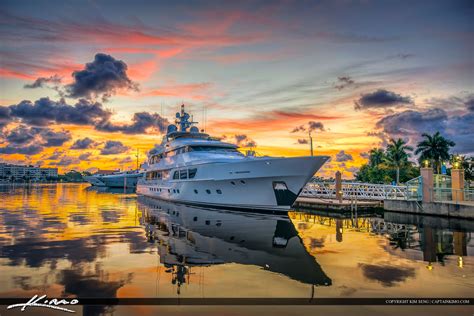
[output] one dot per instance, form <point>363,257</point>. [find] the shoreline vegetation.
<point>72,176</point>
<point>391,164</point>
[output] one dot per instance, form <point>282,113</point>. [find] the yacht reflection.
<point>110,190</point>
<point>190,236</point>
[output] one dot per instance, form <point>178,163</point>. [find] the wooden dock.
<point>335,205</point>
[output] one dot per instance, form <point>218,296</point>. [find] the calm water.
<point>70,240</point>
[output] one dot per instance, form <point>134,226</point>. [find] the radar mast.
<point>182,120</point>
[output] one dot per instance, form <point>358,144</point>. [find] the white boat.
<point>124,179</point>
<point>191,167</point>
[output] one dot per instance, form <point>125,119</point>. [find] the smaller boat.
<point>119,179</point>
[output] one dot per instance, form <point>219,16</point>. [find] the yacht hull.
<point>95,181</point>
<point>120,181</point>
<point>265,184</point>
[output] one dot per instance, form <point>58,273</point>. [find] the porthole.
<point>195,218</point>
<point>195,191</point>
<point>232,182</point>
<point>219,191</point>
<point>177,190</point>
<point>208,191</point>
<point>242,181</point>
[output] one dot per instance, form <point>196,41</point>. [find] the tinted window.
<point>176,175</point>
<point>192,173</point>
<point>212,148</point>
<point>183,174</point>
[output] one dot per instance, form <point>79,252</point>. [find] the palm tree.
<point>376,157</point>
<point>434,148</point>
<point>397,155</point>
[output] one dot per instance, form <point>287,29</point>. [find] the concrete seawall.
<point>448,209</point>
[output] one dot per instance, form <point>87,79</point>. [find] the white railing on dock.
<point>360,191</point>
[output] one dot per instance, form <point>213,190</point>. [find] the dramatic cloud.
<point>143,122</point>
<point>364,155</point>
<point>100,78</point>
<point>26,150</point>
<point>43,81</point>
<point>45,111</point>
<point>32,139</point>
<point>343,82</point>
<point>381,99</point>
<point>56,155</point>
<point>84,143</point>
<point>113,147</point>
<point>85,156</point>
<point>411,124</point>
<point>302,141</point>
<point>54,139</point>
<point>21,135</point>
<point>470,104</point>
<point>300,128</point>
<point>342,156</point>
<point>5,117</point>
<point>67,160</point>
<point>313,126</point>
<point>243,140</point>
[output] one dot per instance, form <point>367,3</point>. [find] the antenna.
<point>136,155</point>
<point>311,142</point>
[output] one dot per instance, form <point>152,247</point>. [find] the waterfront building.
<point>10,171</point>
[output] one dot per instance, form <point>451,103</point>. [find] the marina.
<point>236,158</point>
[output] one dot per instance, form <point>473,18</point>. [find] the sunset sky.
<point>85,84</point>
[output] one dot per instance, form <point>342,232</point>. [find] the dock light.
<point>460,262</point>
<point>427,163</point>
<point>429,266</point>
<point>456,165</point>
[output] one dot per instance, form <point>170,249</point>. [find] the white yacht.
<point>123,179</point>
<point>191,167</point>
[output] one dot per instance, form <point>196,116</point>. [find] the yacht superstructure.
<point>127,179</point>
<point>192,167</point>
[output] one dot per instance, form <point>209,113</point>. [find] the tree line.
<point>392,165</point>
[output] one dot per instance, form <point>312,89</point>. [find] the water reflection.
<point>69,240</point>
<point>407,239</point>
<point>189,236</point>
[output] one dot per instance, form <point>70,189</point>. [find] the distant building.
<point>8,171</point>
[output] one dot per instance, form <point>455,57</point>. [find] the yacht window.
<point>219,191</point>
<point>195,191</point>
<point>183,174</point>
<point>213,149</point>
<point>208,191</point>
<point>176,175</point>
<point>192,173</point>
